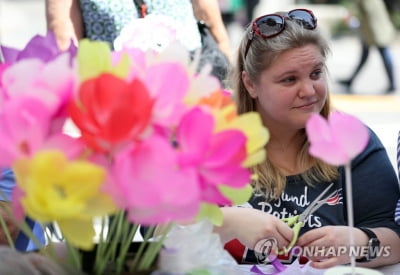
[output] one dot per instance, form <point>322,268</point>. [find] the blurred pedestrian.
<point>376,30</point>
<point>103,20</point>
<point>250,8</point>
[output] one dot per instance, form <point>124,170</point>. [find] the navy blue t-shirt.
<point>375,193</point>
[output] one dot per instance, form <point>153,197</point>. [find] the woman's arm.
<point>390,241</point>
<point>209,12</point>
<point>64,18</point>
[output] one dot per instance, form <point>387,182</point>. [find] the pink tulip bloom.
<point>216,157</point>
<point>168,83</point>
<point>52,83</point>
<point>337,140</point>
<point>147,181</point>
<point>25,129</point>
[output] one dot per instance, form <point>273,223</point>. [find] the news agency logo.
<point>263,250</point>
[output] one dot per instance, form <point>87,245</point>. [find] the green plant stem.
<point>125,244</point>
<point>142,246</point>
<point>153,249</point>
<point>116,238</point>
<point>2,221</point>
<point>101,244</point>
<point>23,226</point>
<point>73,256</point>
<point>6,231</point>
<point>109,250</point>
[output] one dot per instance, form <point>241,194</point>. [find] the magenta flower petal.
<point>194,135</point>
<point>223,163</point>
<point>53,83</point>
<point>227,146</point>
<point>168,83</point>
<point>350,133</point>
<point>147,181</point>
<point>217,157</point>
<point>211,194</point>
<point>72,147</point>
<point>336,140</point>
<point>24,125</point>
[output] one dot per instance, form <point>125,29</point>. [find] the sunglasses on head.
<point>271,25</point>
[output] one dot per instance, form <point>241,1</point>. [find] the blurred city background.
<point>22,19</point>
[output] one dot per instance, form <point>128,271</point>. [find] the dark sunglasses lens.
<point>303,18</point>
<point>270,25</point>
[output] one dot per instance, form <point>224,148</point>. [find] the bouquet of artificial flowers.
<point>133,134</point>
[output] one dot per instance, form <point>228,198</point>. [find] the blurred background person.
<point>103,20</point>
<point>376,30</point>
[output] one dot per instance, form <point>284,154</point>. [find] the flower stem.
<point>125,244</point>
<point>108,248</point>
<point>6,231</point>
<point>153,249</point>
<point>73,256</point>
<point>101,246</point>
<point>350,217</point>
<point>141,249</point>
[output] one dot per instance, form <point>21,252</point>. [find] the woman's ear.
<point>249,84</point>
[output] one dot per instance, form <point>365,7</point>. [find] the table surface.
<point>268,269</point>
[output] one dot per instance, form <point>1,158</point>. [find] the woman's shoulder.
<point>373,144</point>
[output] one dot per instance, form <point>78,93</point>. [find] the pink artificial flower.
<point>337,140</point>
<point>147,181</point>
<point>216,157</point>
<point>24,124</point>
<point>168,83</point>
<point>52,83</point>
<point>25,129</point>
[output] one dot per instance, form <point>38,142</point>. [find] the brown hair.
<point>260,56</point>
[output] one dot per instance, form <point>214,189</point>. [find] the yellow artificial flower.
<point>68,192</point>
<point>226,117</point>
<point>257,136</point>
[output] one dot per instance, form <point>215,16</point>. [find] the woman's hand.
<point>330,245</point>
<point>250,225</point>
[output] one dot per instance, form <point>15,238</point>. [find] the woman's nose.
<point>306,88</point>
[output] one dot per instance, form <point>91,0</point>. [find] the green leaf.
<point>211,212</point>
<point>122,68</point>
<point>94,58</point>
<point>237,195</point>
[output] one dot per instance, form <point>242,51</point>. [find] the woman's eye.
<point>289,79</point>
<point>316,74</point>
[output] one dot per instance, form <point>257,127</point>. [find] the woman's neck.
<point>284,153</point>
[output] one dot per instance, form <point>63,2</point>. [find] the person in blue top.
<point>22,242</point>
